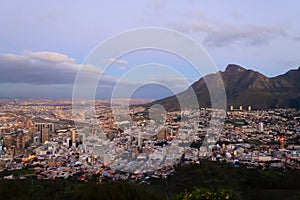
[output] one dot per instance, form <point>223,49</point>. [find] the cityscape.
<point>151,99</point>
<point>40,134</point>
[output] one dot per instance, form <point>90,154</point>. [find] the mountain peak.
<point>232,68</point>
<point>244,87</point>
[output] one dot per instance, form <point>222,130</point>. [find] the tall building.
<point>249,108</point>
<point>260,127</point>
<point>44,129</point>
<point>32,131</point>
<point>20,142</point>
<point>69,142</point>
<point>281,141</point>
<point>40,126</point>
<point>231,108</point>
<point>45,135</point>
<point>9,141</point>
<point>37,140</point>
<point>162,134</point>
<point>241,107</point>
<point>73,134</point>
<point>140,140</point>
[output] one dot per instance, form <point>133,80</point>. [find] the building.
<point>231,108</point>
<point>249,108</point>
<point>40,126</point>
<point>20,142</point>
<point>9,141</point>
<point>45,135</point>
<point>32,131</point>
<point>140,140</point>
<point>4,130</point>
<point>260,127</point>
<point>69,142</point>
<point>36,140</point>
<point>162,135</point>
<point>241,107</point>
<point>73,134</point>
<point>281,141</point>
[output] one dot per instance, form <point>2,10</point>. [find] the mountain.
<point>243,87</point>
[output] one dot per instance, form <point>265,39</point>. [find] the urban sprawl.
<point>61,139</point>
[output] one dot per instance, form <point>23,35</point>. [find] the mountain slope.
<point>244,87</point>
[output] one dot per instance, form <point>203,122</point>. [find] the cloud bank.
<point>51,74</point>
<point>40,68</point>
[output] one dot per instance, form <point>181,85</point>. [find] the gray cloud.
<point>40,68</point>
<point>246,35</point>
<point>236,15</point>
<point>219,34</point>
<point>297,38</point>
<point>50,74</point>
<point>225,35</point>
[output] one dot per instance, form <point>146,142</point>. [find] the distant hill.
<point>245,87</point>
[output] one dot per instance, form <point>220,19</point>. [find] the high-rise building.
<point>32,131</point>
<point>37,140</point>
<point>69,142</point>
<point>241,107</point>
<point>260,127</point>
<point>140,140</point>
<point>20,142</point>
<point>45,135</point>
<point>73,134</point>
<point>249,108</point>
<point>281,141</point>
<point>40,126</point>
<point>231,108</point>
<point>9,141</point>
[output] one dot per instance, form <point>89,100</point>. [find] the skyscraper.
<point>20,142</point>
<point>45,135</point>
<point>73,134</point>
<point>40,126</point>
<point>260,127</point>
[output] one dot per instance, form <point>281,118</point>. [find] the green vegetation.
<point>236,122</point>
<point>253,142</point>
<point>62,189</point>
<point>205,194</point>
<point>17,172</point>
<point>245,183</point>
<point>213,179</point>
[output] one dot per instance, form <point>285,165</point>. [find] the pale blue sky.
<point>259,35</point>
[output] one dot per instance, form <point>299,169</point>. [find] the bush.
<point>201,194</point>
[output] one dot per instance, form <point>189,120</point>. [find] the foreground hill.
<point>245,87</point>
<point>244,183</point>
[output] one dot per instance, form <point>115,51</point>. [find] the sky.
<point>45,43</point>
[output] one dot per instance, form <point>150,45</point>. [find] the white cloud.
<point>48,57</point>
<point>116,61</point>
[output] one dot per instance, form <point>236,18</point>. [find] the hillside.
<point>245,183</point>
<point>245,87</point>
